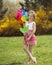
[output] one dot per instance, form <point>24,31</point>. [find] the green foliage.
<point>33,4</point>
<point>43,20</point>
<point>9,26</point>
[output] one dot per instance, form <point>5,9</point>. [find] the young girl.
<point>30,38</point>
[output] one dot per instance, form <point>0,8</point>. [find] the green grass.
<point>12,53</point>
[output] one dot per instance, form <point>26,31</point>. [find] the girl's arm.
<point>34,30</point>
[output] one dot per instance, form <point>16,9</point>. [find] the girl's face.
<point>31,17</point>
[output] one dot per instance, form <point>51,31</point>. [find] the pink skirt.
<point>32,41</point>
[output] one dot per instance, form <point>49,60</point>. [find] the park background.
<point>11,39</point>
<point>9,25</point>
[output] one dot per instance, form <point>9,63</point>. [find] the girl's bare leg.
<point>30,50</point>
<point>29,54</point>
<point>27,51</point>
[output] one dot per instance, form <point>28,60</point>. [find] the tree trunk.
<point>1,4</point>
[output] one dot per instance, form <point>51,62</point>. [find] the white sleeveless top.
<point>30,24</point>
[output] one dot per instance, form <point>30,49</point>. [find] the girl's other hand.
<point>24,34</point>
<point>28,38</point>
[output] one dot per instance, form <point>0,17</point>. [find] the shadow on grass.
<point>14,63</point>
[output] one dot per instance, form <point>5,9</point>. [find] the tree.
<point>1,4</point>
<point>33,4</point>
<point>2,12</point>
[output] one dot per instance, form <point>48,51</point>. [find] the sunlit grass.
<point>12,53</point>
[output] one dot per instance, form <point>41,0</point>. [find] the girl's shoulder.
<point>34,22</point>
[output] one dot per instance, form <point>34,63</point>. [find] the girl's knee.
<point>35,42</point>
<point>24,47</point>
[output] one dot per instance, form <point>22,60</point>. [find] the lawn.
<point>12,53</point>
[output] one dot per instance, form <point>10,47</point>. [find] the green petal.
<point>22,30</point>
